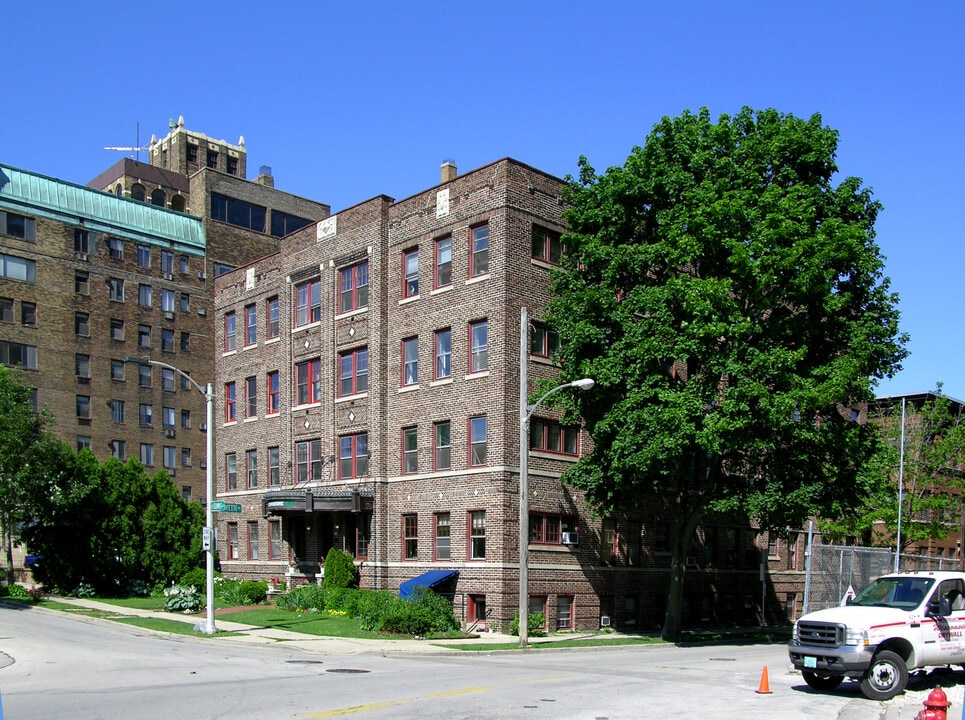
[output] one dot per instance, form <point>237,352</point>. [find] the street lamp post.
<point>208,627</point>
<point>525,412</point>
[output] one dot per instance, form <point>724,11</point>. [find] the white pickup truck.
<point>899,623</point>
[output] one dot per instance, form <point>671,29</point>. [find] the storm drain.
<point>305,662</point>
<point>346,670</point>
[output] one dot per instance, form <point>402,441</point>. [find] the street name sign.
<point>222,506</point>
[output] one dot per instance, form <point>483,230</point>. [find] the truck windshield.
<point>905,593</point>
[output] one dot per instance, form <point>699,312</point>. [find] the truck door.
<point>943,635</point>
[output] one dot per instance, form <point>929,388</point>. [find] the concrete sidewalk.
<point>253,634</point>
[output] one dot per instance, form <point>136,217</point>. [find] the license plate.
<point>810,662</point>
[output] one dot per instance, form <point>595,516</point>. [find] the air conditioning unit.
<point>691,561</point>
<point>82,256</point>
<point>83,380</point>
<point>203,465</point>
<point>570,538</point>
<point>203,426</point>
<point>202,276</point>
<point>167,276</point>
<point>202,312</point>
<point>169,316</point>
<point>604,621</point>
<point>169,433</point>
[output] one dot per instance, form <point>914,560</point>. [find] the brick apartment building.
<point>368,382</point>
<point>90,278</point>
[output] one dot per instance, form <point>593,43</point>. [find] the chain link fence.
<point>832,569</point>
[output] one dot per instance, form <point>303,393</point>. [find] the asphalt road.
<point>61,666</point>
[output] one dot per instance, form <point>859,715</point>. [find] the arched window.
<point>138,192</point>
<point>177,203</point>
<point>158,197</point>
<point>119,190</point>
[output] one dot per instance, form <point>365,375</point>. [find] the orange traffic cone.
<point>764,688</point>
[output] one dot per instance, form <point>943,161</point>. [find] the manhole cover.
<point>346,670</point>
<point>723,659</point>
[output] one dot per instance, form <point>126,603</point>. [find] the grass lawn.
<point>175,627</point>
<point>317,623</point>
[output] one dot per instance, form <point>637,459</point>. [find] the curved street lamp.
<point>525,413</point>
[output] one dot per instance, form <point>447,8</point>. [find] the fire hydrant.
<point>936,706</point>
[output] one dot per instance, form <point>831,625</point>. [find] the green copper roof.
<point>33,194</point>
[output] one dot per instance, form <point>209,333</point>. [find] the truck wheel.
<point>886,677</point>
<point>822,682</point>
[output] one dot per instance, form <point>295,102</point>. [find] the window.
<point>308,461</point>
<point>186,419</point>
<point>274,467</point>
<point>117,329</point>
<point>185,457</point>
<point>253,540</point>
<point>308,302</point>
<point>410,537</point>
<point>354,287</point>
<point>231,471</point>
<point>271,313</point>
<point>308,382</point>
<point>144,336</point>
<point>273,394</point>
<point>443,536</point>
<point>117,369</point>
<point>353,456</point>
<point>186,493</point>
<point>232,541</point>
<point>251,325</point>
<point>144,295</point>
<point>167,379</point>
<point>143,256</point>
<point>138,192</point>
<point>477,535</point>
<point>144,375</point>
<point>18,268</point>
<point>115,248</point>
<point>274,546</point>
<point>353,377</point>
<point>6,309</point>
<point>543,342</point>
<point>17,225</point>
<point>632,542</point>
<point>28,313</point>
<point>82,324</point>
<point>145,415</point>
<point>363,534</point>
<point>167,418</point>
<point>230,412</point>
<point>443,274</point>
<point>220,269</point>
<point>410,273</point>
<point>607,541</point>
<point>116,287</point>
<point>83,406</point>
<point>282,224</point>
<point>410,451</point>
<point>18,354</point>
<point>547,529</point>
<point>83,442</point>
<point>546,245</point>
<point>82,282</point>
<point>119,449</point>
<point>167,301</point>
<point>229,332</point>
<point>81,241</point>
<point>564,612</point>
<point>82,366</point>
<point>237,212</point>
<point>167,340</point>
<point>185,341</point>
<point>231,165</point>
<point>167,262</point>
<point>477,441</point>
<point>251,397</point>
<point>168,455</point>
<point>183,263</point>
<point>410,361</point>
<point>480,250</point>
<point>185,383</point>
<point>251,462</point>
<point>147,454</point>
<point>185,302</point>
<point>550,436</point>
<point>442,340</point>
<point>117,411</point>
<point>211,159</point>
<point>479,345</point>
<point>441,454</point>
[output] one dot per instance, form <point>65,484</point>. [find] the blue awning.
<point>432,580</point>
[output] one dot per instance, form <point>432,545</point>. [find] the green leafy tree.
<point>730,303</point>
<point>930,470</point>
<point>22,429</point>
<point>340,570</point>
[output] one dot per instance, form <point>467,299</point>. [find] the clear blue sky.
<point>347,100</point>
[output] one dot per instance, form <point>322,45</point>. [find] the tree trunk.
<point>8,542</point>
<point>685,525</point>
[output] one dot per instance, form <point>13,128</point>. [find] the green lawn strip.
<point>175,627</point>
<point>136,603</point>
<point>553,643</point>
<point>308,623</point>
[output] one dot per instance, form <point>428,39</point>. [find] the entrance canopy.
<point>435,580</point>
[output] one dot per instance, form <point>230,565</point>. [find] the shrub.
<point>182,598</point>
<point>84,590</point>
<point>373,606</point>
<point>136,588</point>
<point>197,577</point>
<point>438,610</point>
<point>340,570</point>
<point>536,621</point>
<point>18,592</point>
<point>253,592</point>
<point>306,597</point>
<point>407,619</point>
